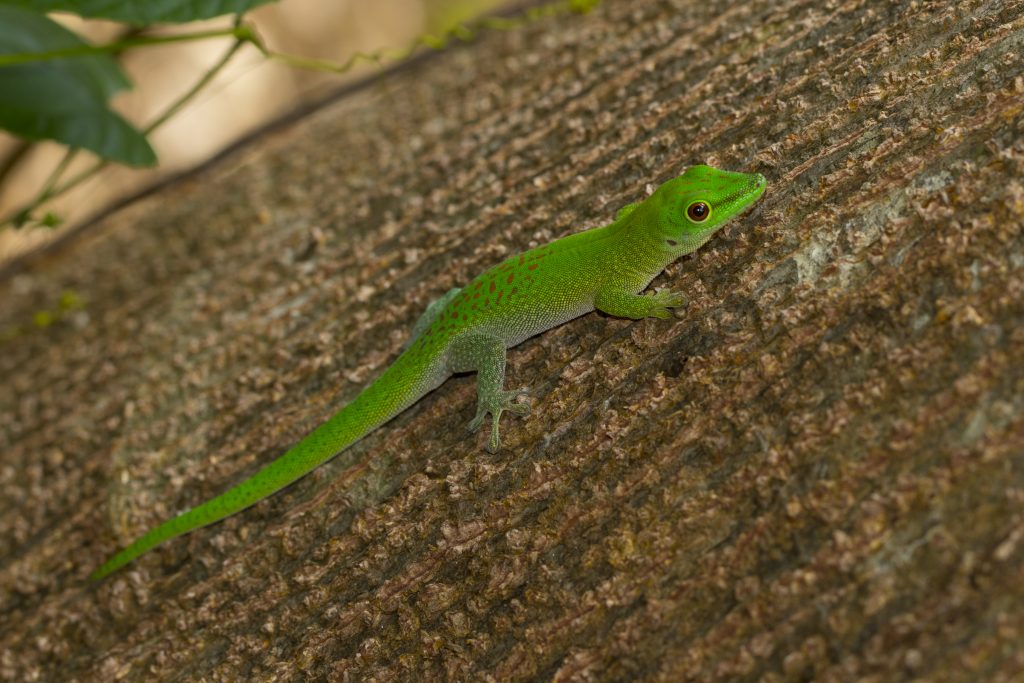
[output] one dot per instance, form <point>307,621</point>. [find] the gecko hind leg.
<point>486,355</point>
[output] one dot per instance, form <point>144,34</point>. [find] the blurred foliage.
<point>56,86</point>
<point>68,303</point>
<point>141,13</point>
<point>63,99</point>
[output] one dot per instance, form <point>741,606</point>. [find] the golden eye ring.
<point>698,212</point>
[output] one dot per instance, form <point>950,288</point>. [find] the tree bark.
<point>814,471</point>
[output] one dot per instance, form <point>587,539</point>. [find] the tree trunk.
<point>815,470</point>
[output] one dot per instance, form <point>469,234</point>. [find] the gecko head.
<point>694,205</point>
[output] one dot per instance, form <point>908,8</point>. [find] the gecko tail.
<point>389,395</point>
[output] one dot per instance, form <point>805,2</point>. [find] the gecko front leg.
<point>486,355</point>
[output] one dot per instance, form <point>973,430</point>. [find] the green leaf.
<point>142,11</point>
<point>64,99</point>
<point>23,31</point>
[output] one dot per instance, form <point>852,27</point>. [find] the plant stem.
<point>239,32</point>
<point>197,86</point>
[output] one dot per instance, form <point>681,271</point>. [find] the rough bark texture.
<point>816,470</point>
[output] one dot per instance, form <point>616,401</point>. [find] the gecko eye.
<point>698,212</point>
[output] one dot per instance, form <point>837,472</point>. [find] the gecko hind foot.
<point>495,405</point>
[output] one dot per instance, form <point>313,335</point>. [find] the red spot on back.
<point>499,296</point>
<point>514,290</point>
<point>532,266</point>
<point>455,314</point>
<point>479,285</point>
<point>477,295</point>
<point>521,259</point>
<point>464,317</point>
<point>511,277</point>
<point>492,285</point>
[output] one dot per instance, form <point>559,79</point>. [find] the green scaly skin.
<point>469,329</point>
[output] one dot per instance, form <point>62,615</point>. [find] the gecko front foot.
<point>495,404</point>
<point>660,302</point>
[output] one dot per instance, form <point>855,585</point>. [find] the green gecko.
<point>469,329</point>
